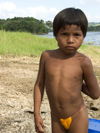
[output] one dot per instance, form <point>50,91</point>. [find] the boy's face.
<point>69,38</point>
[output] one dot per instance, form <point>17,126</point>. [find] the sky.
<point>47,9</point>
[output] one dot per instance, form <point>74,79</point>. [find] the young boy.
<point>62,72</point>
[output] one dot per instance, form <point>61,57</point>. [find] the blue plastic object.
<point>94,126</point>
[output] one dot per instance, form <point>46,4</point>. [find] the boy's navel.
<point>60,106</point>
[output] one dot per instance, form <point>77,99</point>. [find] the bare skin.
<point>62,72</point>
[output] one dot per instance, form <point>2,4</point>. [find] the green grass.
<point>25,44</point>
<point>91,51</point>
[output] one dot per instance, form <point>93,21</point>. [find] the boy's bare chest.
<point>64,68</point>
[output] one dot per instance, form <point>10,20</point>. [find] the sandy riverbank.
<point>17,78</point>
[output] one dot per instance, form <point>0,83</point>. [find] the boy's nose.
<point>70,39</point>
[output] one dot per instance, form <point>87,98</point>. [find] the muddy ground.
<point>17,78</point>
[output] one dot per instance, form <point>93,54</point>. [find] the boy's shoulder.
<point>83,57</point>
<point>85,60</point>
<point>46,54</point>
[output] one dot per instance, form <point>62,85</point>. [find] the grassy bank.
<point>25,44</point>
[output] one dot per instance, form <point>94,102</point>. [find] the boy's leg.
<point>56,125</point>
<point>80,122</point>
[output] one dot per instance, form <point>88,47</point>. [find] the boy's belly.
<point>64,101</point>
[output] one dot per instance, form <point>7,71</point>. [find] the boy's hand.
<point>39,126</point>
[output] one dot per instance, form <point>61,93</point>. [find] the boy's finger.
<point>41,129</point>
<point>36,129</point>
<point>42,125</point>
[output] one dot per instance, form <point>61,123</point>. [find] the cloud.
<point>7,7</point>
<point>42,13</point>
<point>97,17</point>
<point>92,18</point>
<point>82,2</point>
<point>37,12</point>
<point>97,1</point>
<point>9,10</point>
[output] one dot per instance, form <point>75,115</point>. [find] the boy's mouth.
<point>70,47</point>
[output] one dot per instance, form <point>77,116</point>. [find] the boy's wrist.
<point>36,113</point>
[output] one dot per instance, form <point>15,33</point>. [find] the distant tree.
<point>94,28</point>
<point>49,24</point>
<point>27,24</point>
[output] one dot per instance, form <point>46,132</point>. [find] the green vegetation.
<point>94,26</point>
<point>25,44</point>
<point>90,50</point>
<point>26,24</point>
<point>35,26</point>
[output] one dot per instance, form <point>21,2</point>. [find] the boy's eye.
<point>77,34</point>
<point>65,34</point>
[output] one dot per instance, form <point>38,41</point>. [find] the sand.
<point>17,78</point>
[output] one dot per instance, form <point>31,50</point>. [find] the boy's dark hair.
<point>70,16</point>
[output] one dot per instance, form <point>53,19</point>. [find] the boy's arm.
<point>85,89</point>
<point>90,87</point>
<point>38,95</point>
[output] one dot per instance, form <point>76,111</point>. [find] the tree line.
<point>35,26</point>
<point>94,28</point>
<point>26,24</point>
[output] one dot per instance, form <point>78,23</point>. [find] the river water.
<point>91,37</point>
